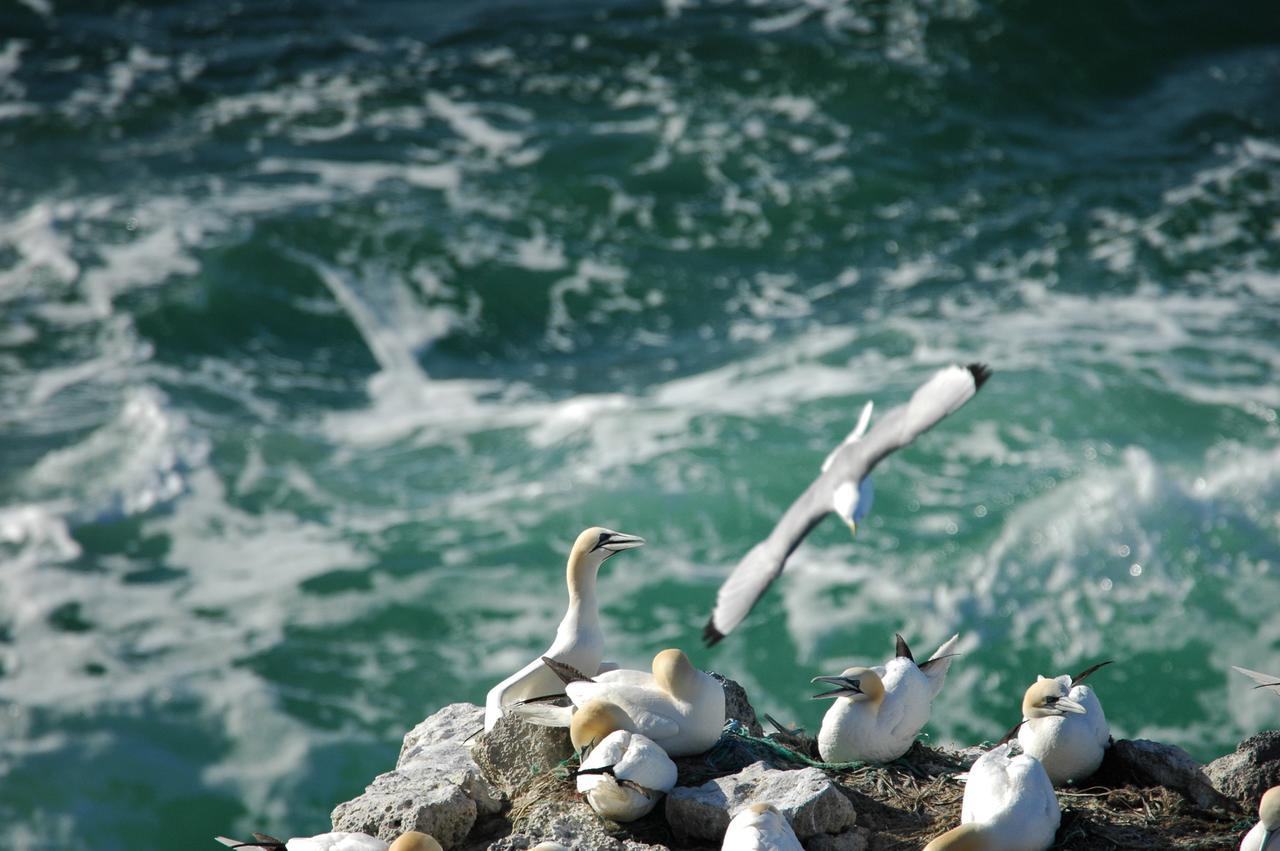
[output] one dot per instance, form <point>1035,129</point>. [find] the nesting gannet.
<point>624,773</point>
<point>878,711</point>
<point>1263,680</point>
<point>1265,835</point>
<point>579,641</point>
<point>760,827</point>
<point>677,706</point>
<point>341,841</point>
<point>1063,726</point>
<point>841,488</point>
<point>1009,805</point>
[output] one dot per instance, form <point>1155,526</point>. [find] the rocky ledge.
<point>509,789</point>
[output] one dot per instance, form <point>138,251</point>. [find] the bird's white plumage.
<point>337,842</point>
<point>1011,800</point>
<point>864,420</point>
<point>1070,747</point>
<point>1265,835</point>
<point>882,731</point>
<point>642,774</point>
<point>760,828</point>
<point>1267,681</point>
<point>1254,838</point>
<point>682,723</point>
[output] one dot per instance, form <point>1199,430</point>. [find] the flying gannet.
<point>1269,681</point>
<point>1063,726</point>
<point>878,711</point>
<point>677,706</point>
<point>579,641</point>
<point>1008,805</point>
<point>760,827</point>
<point>623,773</point>
<point>843,487</point>
<point>410,841</point>
<point>1265,835</point>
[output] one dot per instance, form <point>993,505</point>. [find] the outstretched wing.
<point>1270,681</point>
<point>946,391</point>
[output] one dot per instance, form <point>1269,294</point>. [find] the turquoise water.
<point>326,327</point>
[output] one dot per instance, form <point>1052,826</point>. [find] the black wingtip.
<point>980,372</point>
<point>710,635</point>
<point>902,651</point>
<point>1080,677</point>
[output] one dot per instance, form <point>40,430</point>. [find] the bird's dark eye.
<point>1051,700</point>
<point>604,539</point>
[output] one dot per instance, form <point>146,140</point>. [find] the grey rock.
<point>807,797</point>
<point>1156,764</point>
<point>1251,770</point>
<point>850,840</point>
<point>436,787</point>
<point>737,706</point>
<point>571,823</point>
<point>515,751</point>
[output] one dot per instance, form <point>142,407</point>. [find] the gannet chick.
<point>1268,681</point>
<point>677,706</point>
<point>1008,805</point>
<point>623,773</point>
<point>843,488</point>
<point>760,827</point>
<point>1064,726</point>
<point>579,641</point>
<point>1265,835</point>
<point>340,841</point>
<point>878,711</point>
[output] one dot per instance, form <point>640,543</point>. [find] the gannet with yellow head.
<point>623,773</point>
<point>1064,727</point>
<point>1265,835</point>
<point>878,711</point>
<point>677,706</point>
<point>339,841</point>
<point>579,640</point>
<point>760,827</point>
<point>1009,805</point>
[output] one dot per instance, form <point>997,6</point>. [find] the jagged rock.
<point>737,706</point>
<point>809,800</point>
<point>850,840</point>
<point>436,787</point>
<point>572,824</point>
<point>1150,763</point>
<point>515,751</point>
<point>1251,770</point>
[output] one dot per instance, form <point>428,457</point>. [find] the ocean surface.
<point>326,326</point>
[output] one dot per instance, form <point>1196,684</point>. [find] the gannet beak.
<point>620,541</point>
<point>853,527</point>
<point>1066,704</point>
<point>846,686</point>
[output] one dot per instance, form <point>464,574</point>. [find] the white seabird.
<point>579,640</point>
<point>1269,681</point>
<point>1009,805</point>
<point>624,774</point>
<point>841,488</point>
<point>1064,726</point>
<point>878,711</point>
<point>339,841</point>
<point>677,706</point>
<point>760,827</point>
<point>1265,835</point>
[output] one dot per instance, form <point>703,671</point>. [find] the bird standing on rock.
<point>760,827</point>
<point>1265,835</point>
<point>1009,805</point>
<point>340,841</point>
<point>1064,726</point>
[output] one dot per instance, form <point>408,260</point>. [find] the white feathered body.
<point>1013,799</point>
<point>336,842</point>
<point>1071,746</point>
<point>1253,839</point>
<point>681,727</point>
<point>637,761</point>
<point>753,830</point>
<point>862,731</point>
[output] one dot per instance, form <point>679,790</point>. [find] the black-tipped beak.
<point>616,542</point>
<point>844,686</point>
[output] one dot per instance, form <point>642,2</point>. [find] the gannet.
<point>1063,726</point>
<point>579,641</point>
<point>760,827</point>
<point>677,706</point>
<point>624,773</point>
<point>878,711</point>
<point>1009,805</point>
<point>840,488</point>
<point>1263,680</point>
<point>340,841</point>
<point>1265,835</point>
